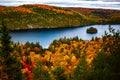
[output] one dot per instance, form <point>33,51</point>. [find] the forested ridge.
<point>64,59</point>
<point>40,16</point>
<point>45,16</point>
<point>103,16</point>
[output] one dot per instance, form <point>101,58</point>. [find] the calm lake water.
<point>46,36</point>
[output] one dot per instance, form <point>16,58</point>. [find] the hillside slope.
<point>44,16</point>
<point>103,16</point>
<point>41,16</point>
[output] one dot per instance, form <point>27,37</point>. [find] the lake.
<point>46,36</point>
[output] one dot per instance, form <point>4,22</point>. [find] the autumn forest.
<point>66,58</point>
<point>44,16</point>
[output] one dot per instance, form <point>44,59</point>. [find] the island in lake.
<point>91,30</point>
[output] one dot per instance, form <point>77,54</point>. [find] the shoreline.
<point>51,28</point>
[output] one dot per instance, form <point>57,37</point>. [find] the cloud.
<point>111,0</point>
<point>115,4</point>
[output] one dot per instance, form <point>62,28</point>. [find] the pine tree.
<point>100,67</point>
<point>5,41</point>
<point>106,66</point>
<point>11,67</point>
<point>81,72</point>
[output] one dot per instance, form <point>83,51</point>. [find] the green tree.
<point>5,41</point>
<point>11,67</point>
<point>112,45</point>
<point>106,66</point>
<point>59,73</point>
<point>39,73</point>
<point>80,73</point>
<point>100,67</point>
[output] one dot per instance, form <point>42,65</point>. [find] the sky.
<point>107,4</point>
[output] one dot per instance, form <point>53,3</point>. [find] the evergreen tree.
<point>100,67</point>
<point>59,73</point>
<point>106,66</point>
<point>112,45</point>
<point>81,72</point>
<point>5,41</point>
<point>39,73</point>
<point>11,67</point>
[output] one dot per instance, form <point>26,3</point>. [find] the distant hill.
<point>44,16</point>
<point>101,16</point>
